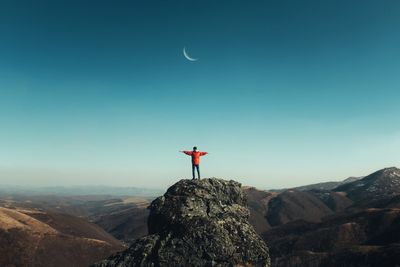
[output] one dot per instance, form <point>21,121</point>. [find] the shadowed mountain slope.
<point>362,230</point>
<point>257,201</point>
<point>125,221</point>
<point>365,233</point>
<point>336,201</point>
<point>293,205</point>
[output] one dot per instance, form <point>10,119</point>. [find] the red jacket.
<point>195,156</point>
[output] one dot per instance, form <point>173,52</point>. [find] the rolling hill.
<point>31,237</point>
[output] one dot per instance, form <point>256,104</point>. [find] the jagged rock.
<point>197,223</point>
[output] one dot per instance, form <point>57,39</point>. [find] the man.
<point>195,160</point>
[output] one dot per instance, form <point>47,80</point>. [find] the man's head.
<point>195,148</point>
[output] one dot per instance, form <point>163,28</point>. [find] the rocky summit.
<point>197,223</point>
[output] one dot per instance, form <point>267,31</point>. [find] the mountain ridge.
<point>382,183</point>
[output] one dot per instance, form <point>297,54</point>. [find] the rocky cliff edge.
<point>197,223</point>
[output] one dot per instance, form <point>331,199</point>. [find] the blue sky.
<point>284,92</point>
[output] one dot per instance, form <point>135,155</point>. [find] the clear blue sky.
<point>284,92</point>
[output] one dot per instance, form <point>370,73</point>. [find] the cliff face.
<point>197,223</point>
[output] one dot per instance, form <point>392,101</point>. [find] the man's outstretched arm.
<point>203,153</point>
<point>187,152</point>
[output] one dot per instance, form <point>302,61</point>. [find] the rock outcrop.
<point>197,223</point>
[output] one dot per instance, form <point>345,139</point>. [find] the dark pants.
<point>194,166</point>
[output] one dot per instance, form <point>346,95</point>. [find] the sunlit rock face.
<point>197,223</point>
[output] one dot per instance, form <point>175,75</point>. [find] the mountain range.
<point>355,222</point>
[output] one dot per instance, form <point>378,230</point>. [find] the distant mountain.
<point>35,238</point>
<point>381,184</point>
<point>321,186</point>
<point>125,220</point>
<point>80,190</point>
<point>268,209</point>
<point>293,205</point>
<point>365,238</point>
<point>336,201</point>
<point>362,227</point>
<point>257,201</point>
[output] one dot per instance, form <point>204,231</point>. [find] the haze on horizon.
<point>284,93</point>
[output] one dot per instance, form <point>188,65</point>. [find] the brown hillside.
<point>257,201</point>
<point>35,238</point>
<point>297,243</point>
<point>296,205</point>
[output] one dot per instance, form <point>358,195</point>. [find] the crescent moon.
<point>187,56</point>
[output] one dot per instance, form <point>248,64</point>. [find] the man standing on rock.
<point>195,160</point>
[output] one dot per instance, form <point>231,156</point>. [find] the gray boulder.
<point>197,223</point>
